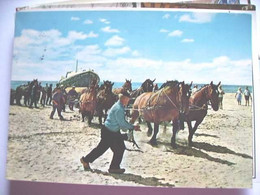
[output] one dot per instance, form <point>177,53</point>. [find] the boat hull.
<point>82,79</point>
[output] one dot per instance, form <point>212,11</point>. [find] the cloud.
<point>187,40</point>
<point>197,18</point>
<point>88,22</point>
<point>73,35</point>
<point>115,41</point>
<point>136,53</point>
<point>109,30</point>
<point>111,52</point>
<point>164,31</point>
<point>103,20</point>
<point>166,16</point>
<point>74,18</point>
<point>176,33</point>
<point>218,69</point>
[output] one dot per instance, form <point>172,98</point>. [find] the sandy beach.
<point>41,149</point>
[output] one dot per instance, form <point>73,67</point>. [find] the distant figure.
<point>195,88</point>
<point>55,89</point>
<point>220,97</point>
<point>34,95</point>
<point>49,95</point>
<point>57,103</point>
<point>65,97</point>
<point>238,95</point>
<point>43,95</point>
<point>247,94</point>
<point>72,95</point>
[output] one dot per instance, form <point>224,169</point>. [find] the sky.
<point>118,45</point>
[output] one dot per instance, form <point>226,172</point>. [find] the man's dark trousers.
<point>109,139</point>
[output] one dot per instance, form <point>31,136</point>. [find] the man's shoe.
<point>51,117</point>
<point>116,171</point>
<point>85,165</point>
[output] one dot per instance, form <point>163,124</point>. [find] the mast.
<point>77,66</point>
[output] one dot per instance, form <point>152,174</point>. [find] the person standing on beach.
<point>57,102</point>
<point>111,136</point>
<point>238,95</point>
<point>220,97</point>
<point>49,95</point>
<point>247,95</point>
<point>34,95</point>
<point>72,95</point>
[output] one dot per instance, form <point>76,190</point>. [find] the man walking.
<point>111,136</point>
<point>57,103</point>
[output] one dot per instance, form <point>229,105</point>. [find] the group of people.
<point>40,94</point>
<point>246,93</point>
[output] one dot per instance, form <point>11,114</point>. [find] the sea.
<point>136,85</point>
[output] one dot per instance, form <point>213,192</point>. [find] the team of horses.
<point>171,102</point>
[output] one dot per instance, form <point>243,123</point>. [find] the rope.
<point>194,107</point>
<point>171,101</point>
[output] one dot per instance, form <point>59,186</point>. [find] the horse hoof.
<point>149,134</point>
<point>153,143</point>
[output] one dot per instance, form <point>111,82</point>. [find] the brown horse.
<point>88,102</point>
<point>105,100</point>
<point>127,87</point>
<point>199,106</point>
<point>163,105</point>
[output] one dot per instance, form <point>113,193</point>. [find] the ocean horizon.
<point>136,85</point>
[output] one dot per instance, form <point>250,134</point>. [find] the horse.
<point>88,102</point>
<point>24,91</point>
<point>127,87</point>
<point>163,105</point>
<point>199,106</point>
<point>147,86</point>
<point>105,100</point>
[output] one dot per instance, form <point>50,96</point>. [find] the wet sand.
<point>41,149</point>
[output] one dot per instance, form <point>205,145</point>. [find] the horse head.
<point>128,85</point>
<point>212,95</point>
<point>108,86</point>
<point>184,96</point>
<point>148,85</point>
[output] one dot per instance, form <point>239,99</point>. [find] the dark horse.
<point>147,86</point>
<point>127,87</point>
<point>163,105</point>
<point>24,91</point>
<point>105,100</point>
<point>88,102</point>
<point>199,106</point>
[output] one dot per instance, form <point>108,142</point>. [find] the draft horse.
<point>147,86</point>
<point>199,107</point>
<point>105,100</point>
<point>127,87</point>
<point>88,102</point>
<point>163,105</point>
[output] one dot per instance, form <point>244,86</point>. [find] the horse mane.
<point>172,83</point>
